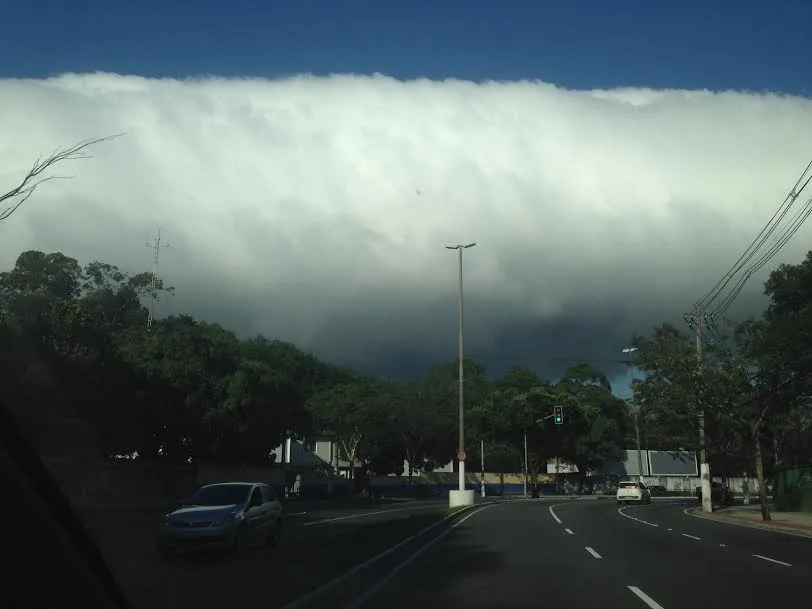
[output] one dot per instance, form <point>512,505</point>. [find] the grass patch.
<point>454,510</point>
<point>304,563</point>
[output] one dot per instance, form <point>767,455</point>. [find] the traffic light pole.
<point>558,415</point>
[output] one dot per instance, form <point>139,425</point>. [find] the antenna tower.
<point>155,245</point>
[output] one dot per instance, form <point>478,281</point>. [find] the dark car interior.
<point>52,560</point>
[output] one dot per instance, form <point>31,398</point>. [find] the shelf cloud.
<point>316,209</point>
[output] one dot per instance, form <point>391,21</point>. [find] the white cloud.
<point>292,205</point>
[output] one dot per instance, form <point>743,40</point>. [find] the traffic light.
<point>558,414</point>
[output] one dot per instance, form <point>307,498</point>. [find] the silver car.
<point>232,515</point>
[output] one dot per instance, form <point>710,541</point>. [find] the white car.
<point>230,515</point>
<point>629,490</point>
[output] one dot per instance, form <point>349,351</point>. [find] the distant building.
<point>319,452</point>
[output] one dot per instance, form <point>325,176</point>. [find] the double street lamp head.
<point>459,246</point>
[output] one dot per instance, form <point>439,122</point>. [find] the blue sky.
<point>738,44</point>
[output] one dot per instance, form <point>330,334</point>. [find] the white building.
<point>315,453</point>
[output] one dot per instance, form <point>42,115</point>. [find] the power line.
<point>778,241</point>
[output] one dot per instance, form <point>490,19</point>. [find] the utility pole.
<point>155,245</point>
<point>695,321</point>
<point>482,472</point>
<point>629,351</point>
<point>461,448</point>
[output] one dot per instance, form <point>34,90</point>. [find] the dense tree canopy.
<point>753,386</point>
<point>82,372</point>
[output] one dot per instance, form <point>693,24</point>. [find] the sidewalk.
<point>799,523</point>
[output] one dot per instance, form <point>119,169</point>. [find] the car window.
<point>256,498</point>
<point>220,494</point>
<point>627,485</point>
<point>268,494</point>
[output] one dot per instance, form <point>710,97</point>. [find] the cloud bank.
<point>317,209</point>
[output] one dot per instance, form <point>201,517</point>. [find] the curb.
<point>304,601</point>
<point>758,527</point>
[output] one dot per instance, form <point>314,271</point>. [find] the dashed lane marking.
<point>593,552</point>
<point>645,597</point>
<point>773,560</point>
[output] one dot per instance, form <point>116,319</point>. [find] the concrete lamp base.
<point>460,498</point>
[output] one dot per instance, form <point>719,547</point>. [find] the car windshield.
<point>628,485</point>
<point>221,494</point>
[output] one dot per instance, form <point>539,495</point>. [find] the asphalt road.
<point>592,554</point>
<point>328,519</point>
<point>200,581</point>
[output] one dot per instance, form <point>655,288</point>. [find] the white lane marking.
<point>722,545</point>
<point>690,536</point>
<point>553,514</point>
<point>365,514</point>
<point>670,529</point>
<point>593,552</point>
<point>622,513</point>
<point>569,531</point>
<point>381,582</point>
<point>645,597</point>
<point>296,514</point>
<point>767,558</point>
<point>692,514</point>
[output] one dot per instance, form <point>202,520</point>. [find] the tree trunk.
<point>501,484</point>
<point>762,488</point>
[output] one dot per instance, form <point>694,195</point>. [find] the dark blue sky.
<point>718,44</point>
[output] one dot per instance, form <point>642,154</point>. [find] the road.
<point>592,553</point>
<point>127,541</point>
<point>330,518</point>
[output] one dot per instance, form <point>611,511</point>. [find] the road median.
<point>782,522</point>
<point>351,560</point>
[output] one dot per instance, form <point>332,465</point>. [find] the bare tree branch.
<point>11,201</point>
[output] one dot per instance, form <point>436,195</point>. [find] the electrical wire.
<point>758,243</point>
<point>778,243</point>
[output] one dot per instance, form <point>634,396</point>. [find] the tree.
<point>596,427</point>
<point>776,367</point>
<point>38,174</point>
<point>501,457</point>
<point>354,410</point>
<point>416,424</point>
<point>440,394</point>
<point>753,390</point>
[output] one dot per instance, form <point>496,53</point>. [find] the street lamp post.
<point>629,351</point>
<point>461,497</point>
